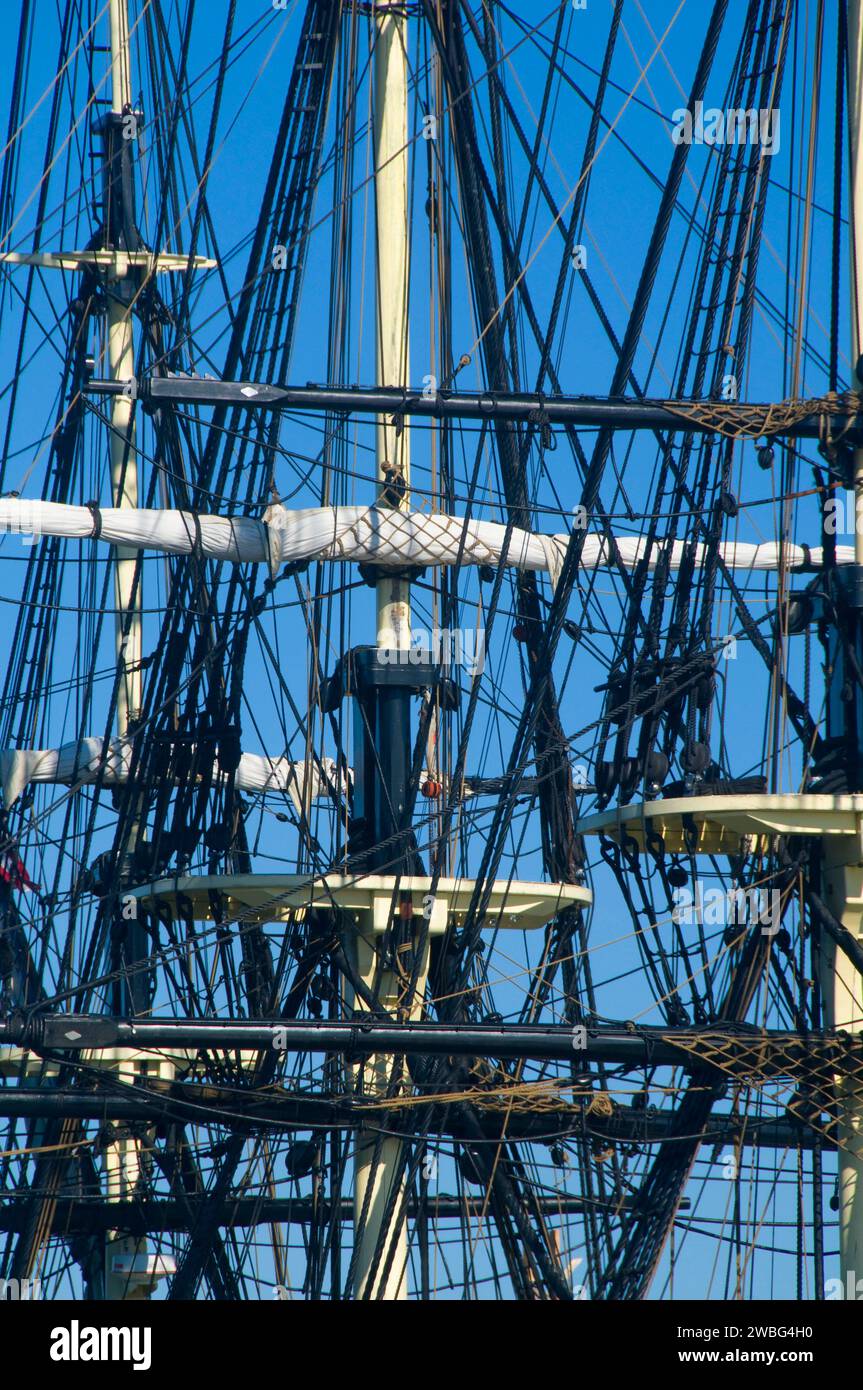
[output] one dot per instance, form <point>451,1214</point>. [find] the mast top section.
<point>121,66</point>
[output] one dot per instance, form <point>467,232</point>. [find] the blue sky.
<point>625,186</point>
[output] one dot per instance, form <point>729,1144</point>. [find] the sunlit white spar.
<point>370,535</point>
<point>81,762</point>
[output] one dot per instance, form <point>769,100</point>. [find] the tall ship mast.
<point>431,837</point>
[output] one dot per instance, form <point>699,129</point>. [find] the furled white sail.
<point>370,535</point>
<point>81,762</point>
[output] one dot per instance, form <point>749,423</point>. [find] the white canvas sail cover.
<point>370,535</point>
<point>80,762</point>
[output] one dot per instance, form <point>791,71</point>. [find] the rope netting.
<point>741,421</point>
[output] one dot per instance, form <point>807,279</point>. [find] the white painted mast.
<point>121,367</point>
<point>131,1270</point>
<point>393,275</point>
<point>376,1162</point>
<point>126,1258</point>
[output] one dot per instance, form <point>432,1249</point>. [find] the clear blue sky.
<point>625,186</point>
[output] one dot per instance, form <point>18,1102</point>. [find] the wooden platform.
<point>518,905</point>
<point>718,824</point>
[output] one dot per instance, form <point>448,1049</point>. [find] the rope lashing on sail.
<point>375,536</point>
<point>88,759</point>
<point>752,421</point>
